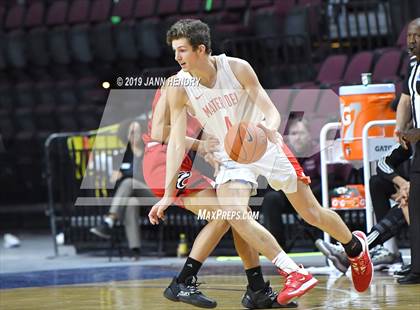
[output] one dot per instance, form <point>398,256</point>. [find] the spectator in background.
<point>129,186</point>
<point>391,181</point>
<point>303,146</point>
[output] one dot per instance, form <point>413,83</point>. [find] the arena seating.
<point>54,55</point>
<point>331,71</point>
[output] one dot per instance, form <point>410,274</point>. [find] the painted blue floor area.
<point>82,276</point>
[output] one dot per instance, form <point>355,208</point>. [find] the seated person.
<point>129,185</point>
<point>302,146</point>
<point>391,182</point>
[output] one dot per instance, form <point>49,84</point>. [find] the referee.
<point>408,131</point>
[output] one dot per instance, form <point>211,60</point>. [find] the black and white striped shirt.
<point>412,88</point>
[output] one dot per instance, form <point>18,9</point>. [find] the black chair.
<point>58,43</point>
<point>78,34</point>
<point>101,37</point>
<point>36,37</point>
<point>14,41</point>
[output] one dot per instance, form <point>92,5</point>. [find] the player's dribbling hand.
<point>209,145</point>
<point>158,210</point>
<point>272,135</point>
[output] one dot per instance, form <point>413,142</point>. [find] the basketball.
<point>245,143</point>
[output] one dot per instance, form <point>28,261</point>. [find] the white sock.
<point>285,263</point>
<point>109,220</point>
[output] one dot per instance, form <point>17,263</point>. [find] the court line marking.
<point>237,258</point>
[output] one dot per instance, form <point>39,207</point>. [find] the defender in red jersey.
<point>154,164</point>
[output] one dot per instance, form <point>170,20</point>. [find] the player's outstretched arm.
<point>175,152</point>
<point>176,145</point>
<point>160,120</point>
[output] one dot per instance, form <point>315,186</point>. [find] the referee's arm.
<point>403,112</point>
<point>403,117</point>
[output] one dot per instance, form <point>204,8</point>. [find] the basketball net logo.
<point>183,176</point>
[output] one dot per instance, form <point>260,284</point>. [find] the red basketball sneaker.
<point>297,283</point>
<point>361,266</point>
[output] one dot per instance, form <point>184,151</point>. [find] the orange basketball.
<point>245,143</point>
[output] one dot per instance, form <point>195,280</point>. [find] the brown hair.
<point>194,30</point>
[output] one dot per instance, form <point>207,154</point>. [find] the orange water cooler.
<point>360,104</point>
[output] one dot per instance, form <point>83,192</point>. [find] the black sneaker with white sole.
<point>188,292</point>
<point>264,298</point>
<point>404,271</point>
<point>103,231</point>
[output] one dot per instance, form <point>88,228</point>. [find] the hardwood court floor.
<point>330,293</point>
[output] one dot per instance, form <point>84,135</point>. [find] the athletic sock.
<point>285,263</point>
<point>191,268</point>
<point>354,247</point>
<point>255,278</point>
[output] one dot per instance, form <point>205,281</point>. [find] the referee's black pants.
<point>414,211</point>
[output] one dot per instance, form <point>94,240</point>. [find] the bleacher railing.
<point>77,171</point>
<point>76,167</point>
<point>355,25</point>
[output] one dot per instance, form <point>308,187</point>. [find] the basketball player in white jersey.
<point>229,91</point>
<point>184,287</point>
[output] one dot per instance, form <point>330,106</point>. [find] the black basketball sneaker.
<point>189,293</point>
<point>264,298</point>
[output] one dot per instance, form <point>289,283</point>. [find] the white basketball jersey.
<point>223,105</point>
<point>226,104</point>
